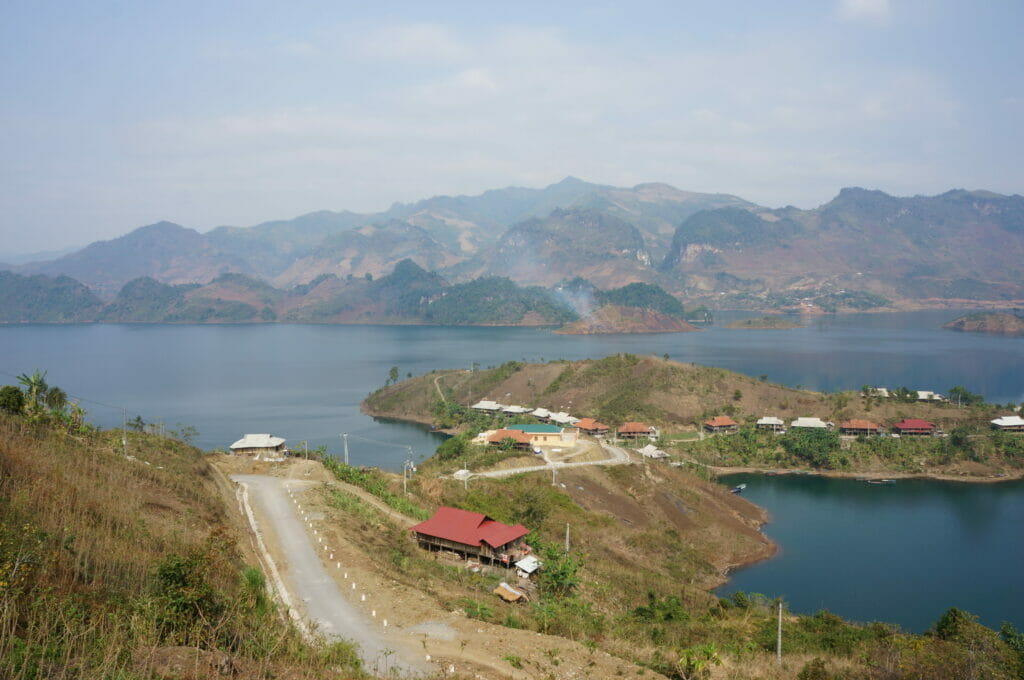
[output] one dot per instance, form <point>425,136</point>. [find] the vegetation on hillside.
<point>110,564</point>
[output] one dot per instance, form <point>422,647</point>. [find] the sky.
<point>120,114</point>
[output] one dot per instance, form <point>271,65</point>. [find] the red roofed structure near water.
<point>472,534</point>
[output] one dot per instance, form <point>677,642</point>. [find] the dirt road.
<point>616,456</point>
<point>312,591</point>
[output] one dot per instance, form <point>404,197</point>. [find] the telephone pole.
<point>124,431</point>
<point>344,438</point>
<point>778,639</point>
<point>567,538</point>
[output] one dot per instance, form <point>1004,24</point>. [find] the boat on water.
<point>738,489</point>
<point>882,481</point>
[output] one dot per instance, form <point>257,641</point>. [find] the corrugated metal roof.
<point>469,528</point>
<point>536,429</point>
<point>914,424</point>
<point>809,422</point>
<point>632,427</point>
<point>1008,421</point>
<point>720,421</point>
<point>258,441</point>
<point>770,420</point>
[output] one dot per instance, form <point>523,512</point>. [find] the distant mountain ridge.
<point>864,249</point>
<point>408,295</point>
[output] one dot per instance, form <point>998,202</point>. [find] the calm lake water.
<point>902,554</point>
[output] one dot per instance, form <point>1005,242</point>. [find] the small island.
<point>619,319</point>
<point>993,323</point>
<point>765,323</point>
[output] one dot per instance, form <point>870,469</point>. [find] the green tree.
<point>12,400</point>
<point>35,387</point>
<point>695,662</point>
<point>392,375</point>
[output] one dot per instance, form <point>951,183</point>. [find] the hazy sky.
<point>116,115</point>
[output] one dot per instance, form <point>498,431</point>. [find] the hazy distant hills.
<point>861,250</point>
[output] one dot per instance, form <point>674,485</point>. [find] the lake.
<point>902,554</point>
<point>908,552</point>
<point>305,382</point>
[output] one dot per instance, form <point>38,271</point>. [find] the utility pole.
<point>344,438</point>
<point>778,639</point>
<point>567,538</point>
<point>124,431</point>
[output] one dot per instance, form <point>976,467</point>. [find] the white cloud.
<point>864,10</point>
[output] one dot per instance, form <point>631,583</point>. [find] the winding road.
<point>305,586</point>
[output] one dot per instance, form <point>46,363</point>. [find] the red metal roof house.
<point>858,426</point>
<point>472,534</point>
<point>914,426</point>
<point>634,430</point>
<point>721,424</point>
<point>591,426</point>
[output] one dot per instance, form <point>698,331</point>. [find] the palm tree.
<point>35,385</point>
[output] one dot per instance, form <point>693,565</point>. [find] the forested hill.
<point>408,295</point>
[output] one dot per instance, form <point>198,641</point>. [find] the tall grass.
<point>104,558</point>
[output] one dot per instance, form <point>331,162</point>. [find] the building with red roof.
<point>591,426</point>
<point>721,424</point>
<point>523,440</point>
<point>857,426</point>
<point>472,534</point>
<point>913,426</point>
<point>633,430</point>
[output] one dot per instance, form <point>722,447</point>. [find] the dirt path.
<point>616,456</point>
<point>311,591</point>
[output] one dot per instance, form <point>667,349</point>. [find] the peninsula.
<point>992,323</point>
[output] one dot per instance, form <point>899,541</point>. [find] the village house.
<point>548,434</point>
<point>1009,424</point>
<point>811,423</point>
<point>772,424</point>
<point>592,427</point>
<point>486,405</point>
<point>857,426</point>
<point>259,445</point>
<point>473,534</point>
<point>634,430</point>
<point>520,439</point>
<point>721,424</point>
<point>515,410</point>
<point>541,414</point>
<point>925,395</point>
<point>913,426</point>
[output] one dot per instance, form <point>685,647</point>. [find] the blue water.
<point>899,554</point>
<point>902,554</point>
<point>305,382</point>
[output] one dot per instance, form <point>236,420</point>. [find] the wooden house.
<point>772,424</point>
<point>1009,424</point>
<point>722,424</point>
<point>633,430</point>
<point>473,534</point>
<point>522,440</point>
<point>913,426</point>
<point>259,445</point>
<point>592,427</point>
<point>857,426</point>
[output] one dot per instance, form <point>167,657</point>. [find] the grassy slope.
<point>84,533</point>
<point>678,397</point>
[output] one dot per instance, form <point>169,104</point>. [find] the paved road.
<point>312,589</point>
<point>616,456</point>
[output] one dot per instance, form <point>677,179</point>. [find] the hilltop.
<point>678,398</point>
<point>993,323</point>
<point>864,249</point>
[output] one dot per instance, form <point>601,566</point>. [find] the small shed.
<point>528,565</point>
<point>772,424</point>
<point>721,424</point>
<point>259,444</point>
<point>651,451</point>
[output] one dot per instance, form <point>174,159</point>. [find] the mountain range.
<point>863,249</point>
